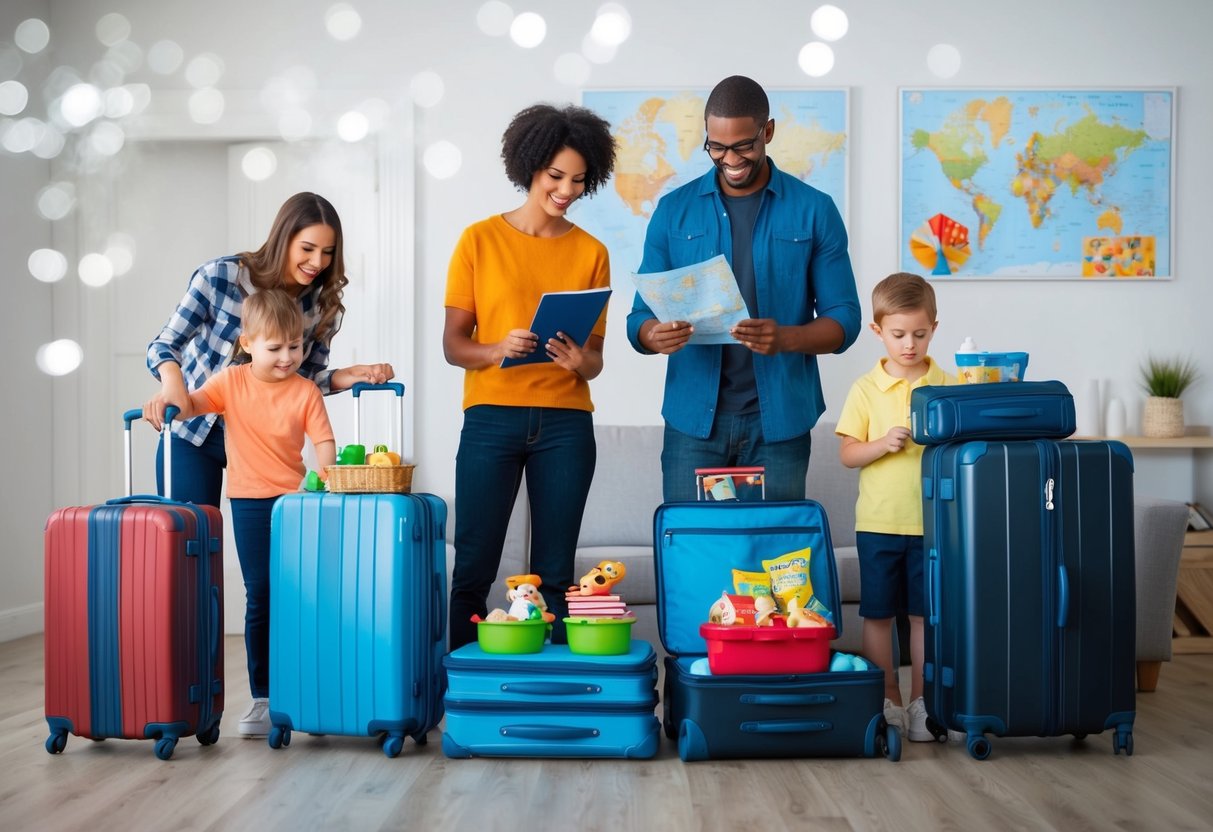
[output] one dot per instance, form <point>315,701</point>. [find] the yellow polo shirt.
<point>890,489</point>
<point>499,273</point>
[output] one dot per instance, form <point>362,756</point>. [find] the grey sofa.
<point>618,525</point>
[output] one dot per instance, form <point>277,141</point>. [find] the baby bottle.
<point>968,365</point>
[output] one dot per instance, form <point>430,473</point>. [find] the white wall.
<point>1074,330</point>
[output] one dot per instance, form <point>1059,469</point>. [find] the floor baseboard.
<point>21,621</point>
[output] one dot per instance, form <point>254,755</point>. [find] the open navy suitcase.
<point>1030,626</point>
<point>828,714</point>
<point>554,703</point>
<point>358,618</point>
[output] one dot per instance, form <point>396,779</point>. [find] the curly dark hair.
<point>541,131</point>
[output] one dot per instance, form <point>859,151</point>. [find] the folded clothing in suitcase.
<point>697,547</point>
<point>1024,410</point>
<point>134,610</point>
<point>1030,589</point>
<point>358,616</point>
<point>554,703</point>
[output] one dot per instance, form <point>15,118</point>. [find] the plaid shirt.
<point>202,333</point>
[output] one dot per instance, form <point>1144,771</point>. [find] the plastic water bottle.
<point>968,365</point>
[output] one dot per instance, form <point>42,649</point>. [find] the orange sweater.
<point>498,273</point>
<point>264,426</point>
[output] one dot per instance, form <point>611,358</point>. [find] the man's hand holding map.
<point>704,294</point>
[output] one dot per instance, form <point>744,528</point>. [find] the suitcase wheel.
<point>57,741</point>
<point>1120,741</point>
<point>692,745</point>
<point>392,745</point>
<point>210,736</point>
<point>279,737</point>
<point>979,747</point>
<point>164,747</point>
<point>889,744</point>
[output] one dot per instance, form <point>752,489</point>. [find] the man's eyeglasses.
<point>717,150</point>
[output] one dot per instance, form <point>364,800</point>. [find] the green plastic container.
<point>599,636</point>
<point>511,636</point>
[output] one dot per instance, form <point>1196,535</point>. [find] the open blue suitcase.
<point>358,616</point>
<point>1030,626</point>
<point>554,703</point>
<point>829,714</point>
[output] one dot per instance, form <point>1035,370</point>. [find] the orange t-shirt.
<point>499,273</point>
<point>264,426</point>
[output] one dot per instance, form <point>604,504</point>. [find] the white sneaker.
<point>916,716</point>
<point>957,736</point>
<point>895,715</point>
<point>256,721</point>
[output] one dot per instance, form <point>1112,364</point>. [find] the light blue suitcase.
<point>554,703</point>
<point>357,615</point>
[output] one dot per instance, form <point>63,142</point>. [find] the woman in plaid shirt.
<point>302,255</point>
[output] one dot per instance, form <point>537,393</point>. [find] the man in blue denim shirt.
<point>754,402</point>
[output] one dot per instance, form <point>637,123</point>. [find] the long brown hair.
<point>267,264</point>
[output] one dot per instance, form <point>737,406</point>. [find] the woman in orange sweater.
<point>533,418</point>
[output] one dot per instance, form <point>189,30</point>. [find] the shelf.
<point>1181,443</point>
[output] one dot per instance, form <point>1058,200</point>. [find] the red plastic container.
<point>744,648</point>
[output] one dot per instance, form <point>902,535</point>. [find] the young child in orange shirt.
<point>268,409</point>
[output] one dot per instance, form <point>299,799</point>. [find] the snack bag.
<point>732,609</point>
<point>790,578</point>
<point>751,583</point>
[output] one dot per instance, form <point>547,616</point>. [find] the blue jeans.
<point>197,471</point>
<point>555,449</point>
<point>251,526</point>
<point>735,440</point>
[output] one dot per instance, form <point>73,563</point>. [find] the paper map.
<point>704,294</point>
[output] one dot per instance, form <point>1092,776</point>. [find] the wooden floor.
<point>340,783</point>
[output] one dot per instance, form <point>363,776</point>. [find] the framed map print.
<point>1037,183</point>
<point>659,146</point>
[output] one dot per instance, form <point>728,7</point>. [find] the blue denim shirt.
<point>802,271</point>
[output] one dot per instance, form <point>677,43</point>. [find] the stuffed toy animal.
<point>601,579</point>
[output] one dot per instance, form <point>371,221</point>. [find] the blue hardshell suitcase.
<point>554,703</point>
<point>828,714</point>
<point>1031,606</point>
<point>1004,410</point>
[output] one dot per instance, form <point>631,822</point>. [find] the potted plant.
<point>1165,380</point>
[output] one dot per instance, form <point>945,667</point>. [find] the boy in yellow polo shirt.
<point>875,430</point>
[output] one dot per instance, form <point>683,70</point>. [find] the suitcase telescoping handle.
<point>396,387</point>
<point>134,415</point>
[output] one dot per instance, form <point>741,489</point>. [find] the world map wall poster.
<point>659,146</point>
<point>1037,183</point>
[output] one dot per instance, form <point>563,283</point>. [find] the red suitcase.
<point>134,611</point>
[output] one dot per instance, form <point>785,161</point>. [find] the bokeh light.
<point>113,28</point>
<point>829,22</point>
<point>528,30</point>
<point>204,71</point>
<point>58,358</point>
<point>127,56</point>
<point>56,200</point>
<point>494,18</point>
<point>80,104</point>
<point>342,21</point>
<point>596,51</point>
<point>816,59</point>
<point>353,126</point>
<point>117,102</point>
<point>943,60</point>
<point>50,142</point>
<point>165,57</point>
<point>427,88</point>
<point>120,251</point>
<point>95,270</point>
<point>442,159</point>
<point>106,73</point>
<point>572,69</point>
<point>21,136</point>
<point>107,138</point>
<point>13,97</point>
<point>47,265</point>
<point>10,61</point>
<point>206,106</point>
<point>32,35</point>
<point>259,164</point>
<point>612,26</point>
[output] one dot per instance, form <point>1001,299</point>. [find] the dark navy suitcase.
<point>1003,410</point>
<point>828,714</point>
<point>554,703</point>
<point>1031,607</point>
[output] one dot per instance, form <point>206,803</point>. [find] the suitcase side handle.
<point>1063,595</point>
<point>133,415</point>
<point>1012,412</point>
<point>786,726</point>
<point>548,732</point>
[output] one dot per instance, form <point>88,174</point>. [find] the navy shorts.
<point>891,568</point>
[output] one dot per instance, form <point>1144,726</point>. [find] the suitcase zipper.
<point>669,533</point>
<point>1049,565</point>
